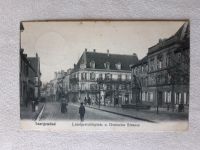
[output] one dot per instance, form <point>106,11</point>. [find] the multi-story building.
<point>26,86</point>
<point>168,71</point>
<point>102,77</point>
<point>29,79</point>
<point>35,76</point>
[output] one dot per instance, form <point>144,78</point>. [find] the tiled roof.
<point>101,58</point>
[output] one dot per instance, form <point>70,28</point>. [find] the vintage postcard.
<point>104,75</point>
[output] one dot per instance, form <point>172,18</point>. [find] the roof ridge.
<point>109,53</point>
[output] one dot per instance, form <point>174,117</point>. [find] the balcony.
<point>109,80</point>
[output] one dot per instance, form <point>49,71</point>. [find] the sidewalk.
<point>145,115</point>
<point>26,112</point>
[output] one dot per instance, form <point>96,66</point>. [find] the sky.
<point>60,44</point>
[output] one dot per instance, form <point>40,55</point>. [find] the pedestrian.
<point>82,111</point>
<point>89,101</point>
<point>85,101</point>
<point>63,105</point>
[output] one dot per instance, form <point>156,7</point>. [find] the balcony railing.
<point>109,80</point>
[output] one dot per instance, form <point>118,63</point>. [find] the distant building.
<point>66,82</point>
<point>56,87</point>
<point>168,71</point>
<point>102,77</point>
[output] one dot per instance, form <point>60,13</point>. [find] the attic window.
<point>92,64</point>
<point>118,66</point>
<point>107,65</point>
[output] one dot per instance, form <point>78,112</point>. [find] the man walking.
<point>82,112</point>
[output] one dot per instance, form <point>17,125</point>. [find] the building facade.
<point>167,76</point>
<point>35,76</point>
<point>102,77</point>
<point>29,79</point>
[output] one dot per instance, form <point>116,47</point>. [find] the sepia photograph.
<point>105,75</point>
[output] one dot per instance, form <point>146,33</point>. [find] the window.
<point>123,86</point>
<point>120,87</point>
<point>168,60</point>
<point>151,96</point>
<point>118,66</point>
<point>107,76</point>
<point>119,77</point>
<point>135,70</point>
<point>169,97</point>
<point>83,76</point>
<point>82,86</point>
<point>146,96</point>
<point>100,76</point>
<point>92,76</point>
<point>159,62</point>
<point>109,87</point>
<point>92,64</point>
<point>107,65</point>
<point>126,77</point>
<point>185,98</point>
<point>165,97</point>
<point>143,96</point>
<point>93,86</point>
<point>151,67</point>
<point>177,98</point>
<point>142,69</point>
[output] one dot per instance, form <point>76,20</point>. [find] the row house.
<point>167,76</point>
<point>102,77</point>
<point>29,78</point>
<point>35,63</point>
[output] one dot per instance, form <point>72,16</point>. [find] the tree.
<point>179,66</point>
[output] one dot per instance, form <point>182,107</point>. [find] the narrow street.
<point>52,111</point>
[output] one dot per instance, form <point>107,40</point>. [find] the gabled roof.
<point>182,34</point>
<point>101,58</point>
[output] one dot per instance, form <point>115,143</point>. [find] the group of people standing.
<point>88,101</point>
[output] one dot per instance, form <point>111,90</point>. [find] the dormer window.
<point>118,66</point>
<point>107,65</point>
<point>92,64</point>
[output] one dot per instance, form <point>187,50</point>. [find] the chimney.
<point>85,49</point>
<point>94,50</point>
<point>108,52</point>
